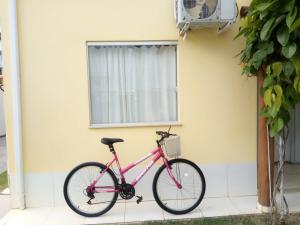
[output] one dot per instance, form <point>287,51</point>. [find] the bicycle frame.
<point>157,153</point>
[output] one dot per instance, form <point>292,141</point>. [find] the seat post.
<point>111,148</point>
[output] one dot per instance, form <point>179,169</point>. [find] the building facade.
<point>214,107</point>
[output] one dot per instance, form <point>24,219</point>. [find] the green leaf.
<point>277,68</point>
<point>265,31</point>
<point>283,35</point>
<point>263,6</point>
<point>267,81</point>
<point>278,21</point>
<point>296,63</point>
<point>272,111</point>
<point>288,69</point>
<point>268,97</point>
<point>278,125</point>
<point>285,115</point>
<point>278,90</point>
<point>258,58</point>
<point>251,37</point>
<point>246,70</point>
<point>248,51</point>
<point>277,103</point>
<point>288,6</point>
<point>263,14</point>
<point>289,50</point>
<point>268,70</point>
<point>272,132</point>
<point>295,25</point>
<point>244,22</point>
<point>241,32</point>
<point>296,82</point>
<point>291,17</point>
<point>268,46</point>
<point>263,112</point>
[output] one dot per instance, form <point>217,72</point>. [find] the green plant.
<point>3,181</point>
<point>272,32</point>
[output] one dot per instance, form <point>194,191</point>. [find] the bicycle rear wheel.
<point>179,200</point>
<point>77,194</point>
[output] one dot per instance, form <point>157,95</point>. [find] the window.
<point>132,83</point>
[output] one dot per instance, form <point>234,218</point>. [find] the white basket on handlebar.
<point>171,146</point>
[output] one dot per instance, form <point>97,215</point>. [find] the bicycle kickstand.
<point>139,199</point>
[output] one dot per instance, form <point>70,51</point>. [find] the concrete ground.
<point>3,155</point>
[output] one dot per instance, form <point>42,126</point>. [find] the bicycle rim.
<point>75,190</point>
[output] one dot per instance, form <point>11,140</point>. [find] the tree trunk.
<point>264,194</point>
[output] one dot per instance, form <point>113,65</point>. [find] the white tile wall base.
<point>222,180</point>
<point>13,193</point>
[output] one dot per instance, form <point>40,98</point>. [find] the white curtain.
<point>293,141</point>
<point>132,84</point>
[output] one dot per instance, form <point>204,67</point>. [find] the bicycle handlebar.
<point>163,135</point>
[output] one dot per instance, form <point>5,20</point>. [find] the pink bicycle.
<point>92,188</point>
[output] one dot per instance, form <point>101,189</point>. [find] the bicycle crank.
<point>126,191</point>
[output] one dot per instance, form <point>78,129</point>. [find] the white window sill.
<point>120,125</point>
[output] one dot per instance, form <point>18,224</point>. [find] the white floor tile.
<point>143,211</point>
<point>114,215</point>
<point>31,216</point>
<point>63,215</point>
<point>4,204</point>
<point>5,219</point>
<point>211,207</point>
<point>196,213</point>
<point>6,191</point>
<point>246,205</point>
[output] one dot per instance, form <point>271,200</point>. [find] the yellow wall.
<point>217,105</point>
<point>7,83</point>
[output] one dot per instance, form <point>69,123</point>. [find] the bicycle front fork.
<point>169,169</point>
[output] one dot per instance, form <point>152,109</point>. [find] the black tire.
<point>73,172</point>
<point>174,163</point>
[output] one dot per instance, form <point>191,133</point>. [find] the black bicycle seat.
<point>110,141</point>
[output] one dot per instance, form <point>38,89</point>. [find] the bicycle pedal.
<point>139,199</point>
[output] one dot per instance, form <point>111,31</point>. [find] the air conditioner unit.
<point>204,13</point>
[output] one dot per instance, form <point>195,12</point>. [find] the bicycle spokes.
<point>179,200</point>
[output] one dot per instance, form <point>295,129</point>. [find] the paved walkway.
<point>4,204</point>
<point>3,154</point>
<point>129,212</point>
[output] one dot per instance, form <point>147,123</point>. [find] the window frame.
<point>129,43</point>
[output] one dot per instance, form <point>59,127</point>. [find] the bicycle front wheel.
<point>86,201</point>
<point>179,200</point>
